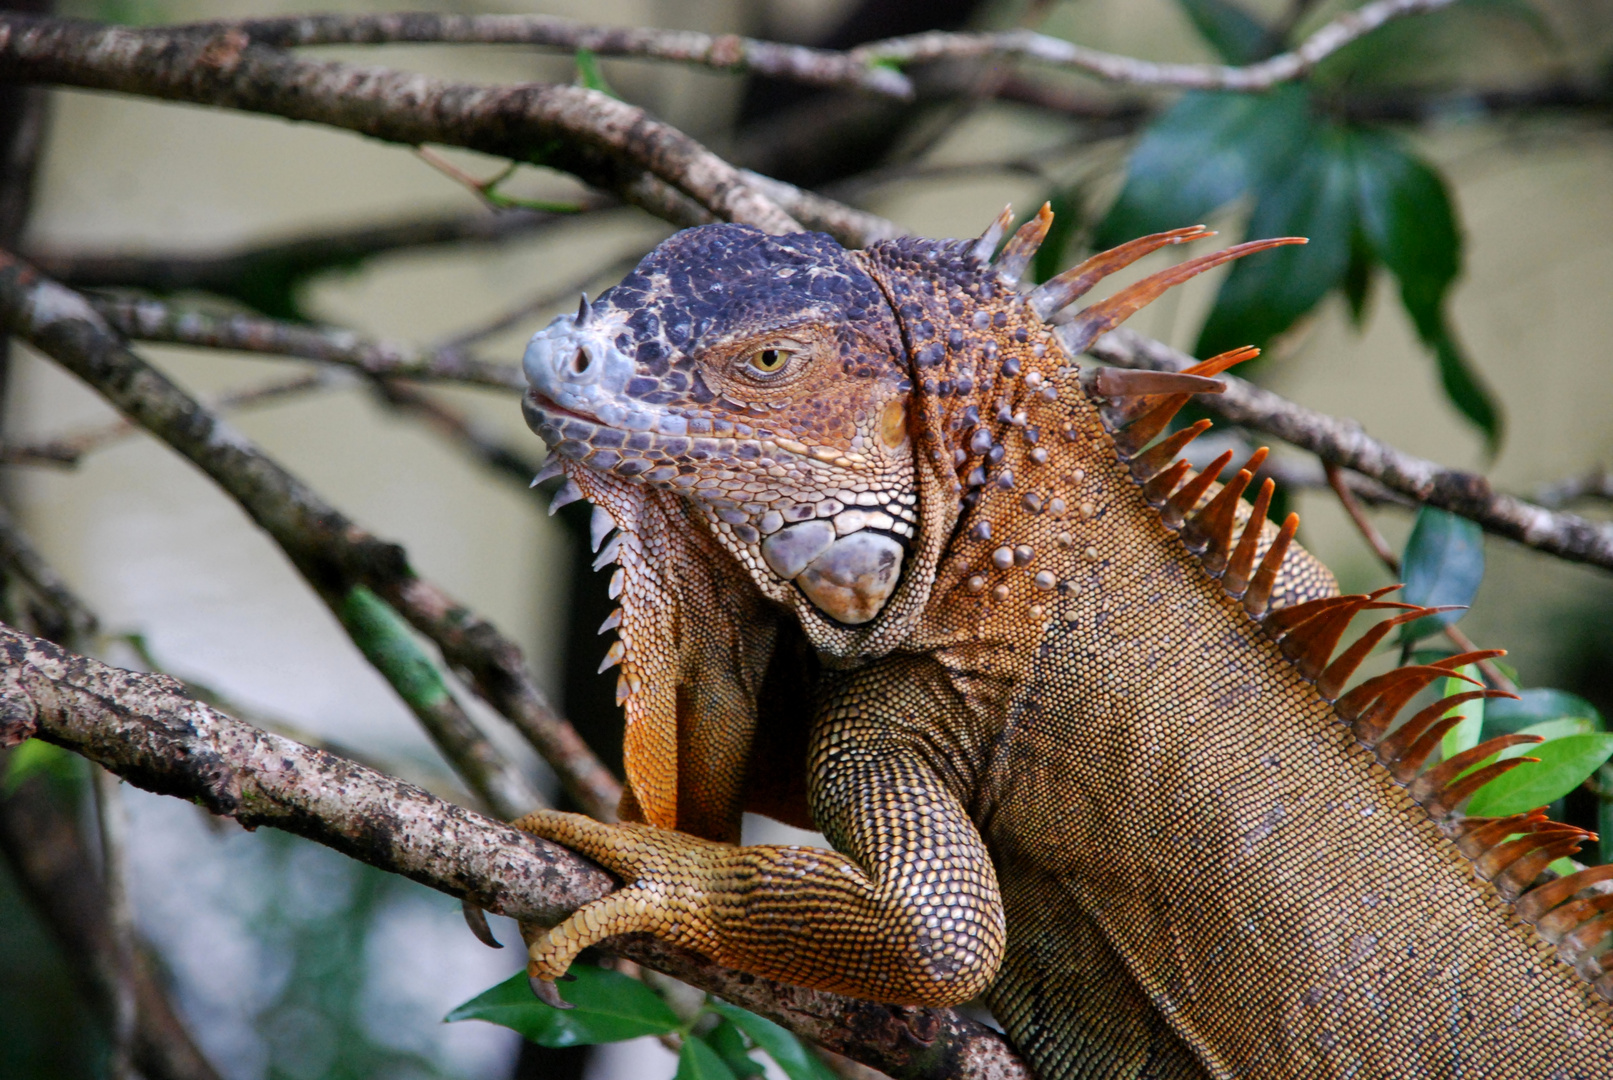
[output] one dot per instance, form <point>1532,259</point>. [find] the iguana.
<point>890,565</point>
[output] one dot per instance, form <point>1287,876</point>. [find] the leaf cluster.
<point>717,1043</point>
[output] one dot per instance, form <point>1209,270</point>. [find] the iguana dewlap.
<point>888,566</point>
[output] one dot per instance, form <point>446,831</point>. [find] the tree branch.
<point>1343,442</point>
<point>724,52</point>
<point>263,275</point>
<point>144,728</point>
<point>333,553</point>
<point>153,320</point>
<point>605,142</point>
<point>70,449</point>
<point>1056,52</point>
<point>865,67</point>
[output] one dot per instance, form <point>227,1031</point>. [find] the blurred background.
<point>289,961</point>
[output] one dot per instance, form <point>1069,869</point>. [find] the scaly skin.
<point>1058,762</point>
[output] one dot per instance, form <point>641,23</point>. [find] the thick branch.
<point>144,728</point>
<point>332,552</point>
<point>607,143</point>
<point>1342,442</point>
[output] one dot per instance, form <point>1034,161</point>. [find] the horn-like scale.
<point>1512,852</point>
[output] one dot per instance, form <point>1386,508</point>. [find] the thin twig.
<point>44,847</point>
<point>1380,547</point>
<point>869,67</point>
<point>70,449</point>
<point>724,52</point>
<point>1055,52</point>
<point>1363,524</point>
<point>145,728</point>
<point>334,554</point>
<point>157,321</point>
<point>1595,483</point>
<point>74,622</point>
<point>484,444</point>
<point>110,816</point>
<point>252,273</point>
<point>1344,443</point>
<point>610,272</point>
<point>605,142</point>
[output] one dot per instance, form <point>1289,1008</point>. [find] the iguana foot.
<point>670,876</point>
<point>936,942</point>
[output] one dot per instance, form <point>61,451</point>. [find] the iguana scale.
<point>1067,710</point>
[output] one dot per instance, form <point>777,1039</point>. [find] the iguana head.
<point>764,379</point>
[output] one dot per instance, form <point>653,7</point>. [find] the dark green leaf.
<point>698,1061</point>
<point>1237,36</point>
<point>1358,276</point>
<point>1265,293</point>
<point>796,1060</point>
<point>1564,764</point>
<point>609,1007</point>
<point>1407,217</point>
<point>730,1046</point>
<point>1604,812</point>
<point>1443,564</point>
<point>1537,706</point>
<point>1202,153</point>
<point>1067,221</point>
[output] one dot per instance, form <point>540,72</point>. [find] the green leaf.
<point>36,757</point>
<point>726,1039</point>
<point>796,1060</point>
<point>1202,153</point>
<point>1549,730</point>
<point>1443,564</point>
<point>1266,293</point>
<point>609,1007</point>
<point>387,642</point>
<point>1564,764</point>
<point>1358,279</point>
<point>1235,35</point>
<point>1537,706</point>
<point>589,75</point>
<point>1463,736</point>
<point>698,1061</point>
<point>1407,217</point>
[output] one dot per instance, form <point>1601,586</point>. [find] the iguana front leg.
<point>908,912</point>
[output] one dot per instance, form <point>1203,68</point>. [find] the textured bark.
<point>603,141</point>
<point>332,552</point>
<point>147,730</point>
<point>1343,442</point>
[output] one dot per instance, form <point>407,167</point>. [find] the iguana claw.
<point>546,991</point>
<point>476,919</point>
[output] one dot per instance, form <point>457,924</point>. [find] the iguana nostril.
<point>579,362</point>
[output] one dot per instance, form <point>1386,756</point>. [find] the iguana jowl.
<point>889,567</point>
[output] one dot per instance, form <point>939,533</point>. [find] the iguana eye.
<point>771,360</point>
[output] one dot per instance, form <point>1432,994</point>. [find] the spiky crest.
<point>1512,852</point>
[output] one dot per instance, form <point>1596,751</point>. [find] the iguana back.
<point>1032,668</point>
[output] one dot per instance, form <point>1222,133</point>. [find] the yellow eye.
<point>770,361</point>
